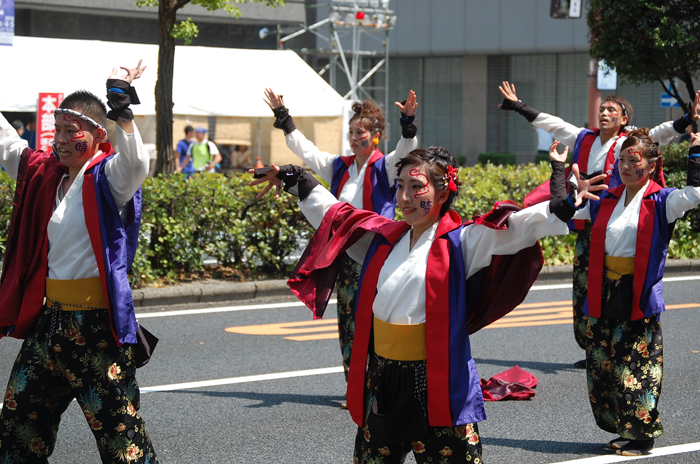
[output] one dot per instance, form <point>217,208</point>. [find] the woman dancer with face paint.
<point>413,384</point>
<point>366,180</point>
<point>595,151</point>
<point>632,225</point>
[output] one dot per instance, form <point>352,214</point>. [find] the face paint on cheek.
<point>426,205</point>
<point>640,173</point>
<point>81,147</point>
<point>365,143</point>
<point>425,190</point>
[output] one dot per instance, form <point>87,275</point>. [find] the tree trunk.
<point>164,87</point>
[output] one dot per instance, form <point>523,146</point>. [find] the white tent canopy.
<point>207,81</point>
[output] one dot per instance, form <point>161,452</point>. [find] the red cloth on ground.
<point>512,384</point>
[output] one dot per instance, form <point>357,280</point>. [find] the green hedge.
<point>498,159</point>
<point>217,217</point>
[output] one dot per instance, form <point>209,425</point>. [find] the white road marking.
<point>246,379</point>
<point>563,286</point>
<point>665,451</point>
<point>225,309</point>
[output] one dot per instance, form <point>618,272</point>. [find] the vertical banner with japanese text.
<point>48,102</point>
<point>7,21</point>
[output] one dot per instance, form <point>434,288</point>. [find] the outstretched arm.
<point>127,171</point>
<point>11,147</point>
<point>512,103</point>
<point>407,143</point>
<point>680,201</point>
<point>120,94</point>
<point>319,161</point>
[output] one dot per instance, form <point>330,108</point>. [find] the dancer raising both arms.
<point>632,225</point>
<point>595,150</point>
<point>73,236</point>
<point>366,180</point>
<point>413,384</point>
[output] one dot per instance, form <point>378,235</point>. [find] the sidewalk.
<point>214,291</point>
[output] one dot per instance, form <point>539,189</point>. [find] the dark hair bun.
<point>370,115</point>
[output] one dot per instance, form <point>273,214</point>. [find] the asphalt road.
<point>268,389</point>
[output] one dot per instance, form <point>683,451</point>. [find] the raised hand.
<point>554,155</point>
<point>273,100</point>
<point>409,108</point>
<point>131,73</point>
<point>694,112</point>
<point>268,175</point>
<point>585,187</point>
<point>508,91</point>
<point>694,139</point>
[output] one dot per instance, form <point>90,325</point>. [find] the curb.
<point>212,291</point>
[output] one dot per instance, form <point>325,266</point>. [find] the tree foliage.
<point>649,40</point>
<point>169,30</point>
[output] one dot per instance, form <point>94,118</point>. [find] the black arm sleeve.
<point>693,178</point>
<point>559,204</point>
<point>408,129</point>
<point>283,120</point>
<point>520,107</point>
<point>295,176</point>
<point>680,124</point>
<point>120,94</point>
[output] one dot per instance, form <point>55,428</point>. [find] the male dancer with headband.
<point>64,286</point>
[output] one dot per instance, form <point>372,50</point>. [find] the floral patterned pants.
<point>348,279</point>
<point>625,369</point>
<point>72,354</point>
<point>438,445</point>
<point>580,281</point>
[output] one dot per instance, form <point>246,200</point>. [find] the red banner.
<point>45,120</point>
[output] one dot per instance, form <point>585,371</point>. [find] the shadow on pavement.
<point>543,367</point>
<point>267,400</point>
<point>549,446</point>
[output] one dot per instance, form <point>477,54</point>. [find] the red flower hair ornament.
<point>450,177</point>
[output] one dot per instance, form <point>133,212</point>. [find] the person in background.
<point>182,148</point>
<point>19,127</point>
<point>30,133</point>
<point>204,153</point>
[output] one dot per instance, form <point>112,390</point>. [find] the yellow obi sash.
<point>616,267</point>
<point>75,295</point>
<point>399,341</point>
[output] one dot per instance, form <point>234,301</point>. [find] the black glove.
<point>693,178</point>
<point>680,124</point>
<point>295,179</point>
<point>520,107</point>
<point>408,129</point>
<point>120,94</point>
<point>560,204</point>
<point>283,120</point>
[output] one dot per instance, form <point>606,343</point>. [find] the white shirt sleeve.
<point>315,207</point>
<point>213,149</point>
<point>403,148</point>
<point>561,130</point>
<point>680,201</point>
<point>664,133</point>
<point>319,161</point>
<point>480,243</point>
<point>11,147</point>
<point>129,168</point>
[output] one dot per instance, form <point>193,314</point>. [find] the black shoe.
<point>580,364</point>
<point>636,448</point>
<point>617,443</point>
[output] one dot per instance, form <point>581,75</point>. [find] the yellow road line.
<point>525,315</point>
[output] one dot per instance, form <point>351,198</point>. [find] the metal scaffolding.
<point>365,26</point>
